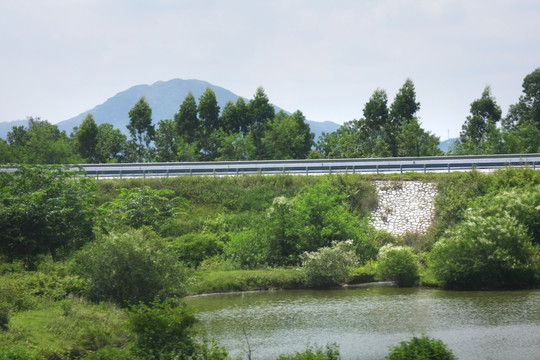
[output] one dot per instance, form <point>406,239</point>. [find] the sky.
<point>323,57</point>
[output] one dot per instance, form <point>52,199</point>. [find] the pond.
<point>365,321</point>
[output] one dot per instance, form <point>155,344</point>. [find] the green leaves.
<point>45,209</point>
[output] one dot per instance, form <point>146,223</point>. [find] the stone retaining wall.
<point>404,206</point>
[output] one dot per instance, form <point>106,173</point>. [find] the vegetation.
<point>148,242</point>
<point>421,348</point>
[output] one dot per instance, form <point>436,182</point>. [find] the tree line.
<point>252,130</point>
<point>198,132</point>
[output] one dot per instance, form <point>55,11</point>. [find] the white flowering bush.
<point>397,263</point>
<point>329,266</point>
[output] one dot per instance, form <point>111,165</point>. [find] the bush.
<point>17,352</point>
<point>129,268</point>
<point>329,265</point>
<point>484,252</point>
<point>192,249</point>
<point>330,352</point>
<point>109,353</point>
<point>5,309</point>
<point>163,330</point>
<point>397,263</point>
<point>421,348</point>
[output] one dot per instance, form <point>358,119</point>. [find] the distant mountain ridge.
<point>164,97</point>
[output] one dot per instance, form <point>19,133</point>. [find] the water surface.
<point>366,321</point>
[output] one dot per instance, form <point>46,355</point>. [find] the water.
<point>366,321</point>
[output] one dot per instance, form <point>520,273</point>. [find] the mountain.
<point>447,144</point>
<point>164,97</point>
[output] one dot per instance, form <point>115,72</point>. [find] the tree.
<point>415,141</point>
<point>376,113</point>
<point>141,129</point>
<point>208,110</point>
<point>111,145</point>
<point>166,145</point>
<point>87,139</point>
<point>44,209</point>
<point>187,122</point>
<point>209,121</point>
<point>260,111</point>
<point>288,137</point>
<point>531,96</point>
<point>402,110</point>
<point>484,112</point>
<point>234,117</point>
<point>41,143</point>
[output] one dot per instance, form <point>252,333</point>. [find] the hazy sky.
<point>325,58</point>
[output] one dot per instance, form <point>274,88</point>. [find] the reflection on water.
<point>366,321</point>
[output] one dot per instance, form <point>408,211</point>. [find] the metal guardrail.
<point>307,167</point>
<point>378,165</point>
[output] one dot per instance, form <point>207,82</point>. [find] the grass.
<point>207,282</point>
<point>66,329</point>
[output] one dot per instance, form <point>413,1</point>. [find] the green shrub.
<point>192,249</point>
<point>329,265</point>
<point>129,268</point>
<point>163,330</point>
<point>421,348</point>
<point>484,252</point>
<point>17,352</point>
<point>330,352</point>
<point>5,309</point>
<point>109,353</point>
<point>397,263</point>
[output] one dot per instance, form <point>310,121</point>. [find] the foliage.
<point>141,129</point>
<point>329,265</point>
<point>40,143</point>
<point>288,137</point>
<point>111,145</point>
<point>330,352</point>
<point>193,248</point>
<point>163,330</point>
<point>421,348</point>
<point>397,263</point>
<point>36,204</point>
<point>86,137</point>
<point>129,268</point>
<point>484,251</point>
<point>145,206</point>
<point>18,352</point>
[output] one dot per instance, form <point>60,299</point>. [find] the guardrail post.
<point>353,169</point>
<point>401,168</point>
<point>448,167</point>
<point>377,168</point>
<point>425,168</point>
<point>307,170</point>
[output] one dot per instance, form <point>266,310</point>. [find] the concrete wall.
<point>404,206</point>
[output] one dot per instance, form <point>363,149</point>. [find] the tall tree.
<point>141,129</point>
<point>208,111</point>
<point>288,137</point>
<point>234,117</point>
<point>166,146</point>
<point>531,97</point>
<point>260,112</point>
<point>484,112</point>
<point>111,145</point>
<point>403,109</point>
<point>86,137</point>
<point>415,141</point>
<point>187,122</point>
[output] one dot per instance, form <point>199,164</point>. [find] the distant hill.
<point>164,97</point>
<point>445,145</point>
